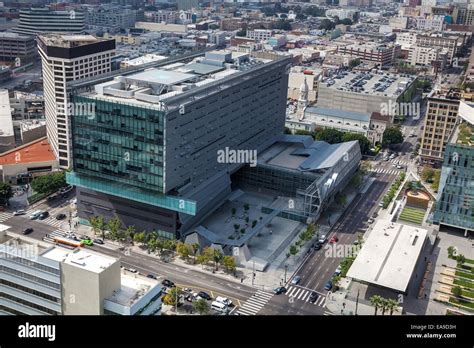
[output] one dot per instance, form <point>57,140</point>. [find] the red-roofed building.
<point>27,161</point>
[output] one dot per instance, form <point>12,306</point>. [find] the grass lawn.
<point>465,275</point>
<point>466,284</point>
<point>461,302</point>
<point>413,215</point>
<point>467,293</point>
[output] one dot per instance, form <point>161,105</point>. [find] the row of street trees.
<point>384,304</point>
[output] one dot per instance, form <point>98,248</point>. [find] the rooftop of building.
<point>80,258</point>
<point>147,58</point>
<point>302,153</point>
<point>372,83</point>
<point>10,35</point>
<point>36,151</point>
<point>352,115</point>
<point>133,287</point>
<point>20,245</point>
<point>6,122</point>
<point>389,255</point>
<point>68,40</point>
<point>154,85</point>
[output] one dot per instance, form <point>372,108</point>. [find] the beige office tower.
<point>65,58</point>
<point>87,280</point>
<point>441,118</point>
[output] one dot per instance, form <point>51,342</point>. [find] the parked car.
<point>27,230</point>
<point>381,204</point>
<point>60,216</point>
<point>333,240</point>
<point>43,215</point>
<point>371,220</point>
<point>338,270</point>
<point>19,212</point>
<point>98,241</point>
<point>322,239</point>
<point>151,276</point>
<point>204,295</point>
<point>328,285</point>
<point>133,270</point>
<point>295,280</point>
<point>280,290</point>
<point>66,189</point>
<point>317,246</point>
<point>167,283</point>
<point>224,300</point>
<point>313,297</point>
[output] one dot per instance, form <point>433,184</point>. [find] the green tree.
<point>354,62</point>
<point>217,257</point>
<point>427,174</point>
<point>93,222</point>
<point>376,301</point>
<point>436,178</point>
<point>195,248</point>
<point>229,263</point>
<point>451,251</point>
<point>293,250</point>
<point>201,306</point>
<point>113,225</point>
<point>5,193</point>
<point>392,305</point>
<point>183,250</point>
<point>346,21</point>
<point>282,24</point>
<point>392,136</point>
<point>461,259</point>
<point>364,143</point>
<point>47,184</point>
<point>140,238</point>
<point>456,291</point>
<point>242,33</point>
<point>327,24</point>
<point>172,298</point>
<point>213,26</point>
<point>329,135</point>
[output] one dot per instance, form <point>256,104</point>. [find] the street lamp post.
<point>286,270</point>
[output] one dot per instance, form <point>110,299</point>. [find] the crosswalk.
<point>255,303</point>
<point>385,171</point>
<point>51,220</point>
<point>402,163</point>
<point>4,216</point>
<point>302,294</point>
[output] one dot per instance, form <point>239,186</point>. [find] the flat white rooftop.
<point>132,288</point>
<point>6,123</point>
<point>389,255</point>
<point>80,258</point>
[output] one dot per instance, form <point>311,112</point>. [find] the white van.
<point>219,307</point>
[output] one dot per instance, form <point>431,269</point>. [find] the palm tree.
<point>217,258</point>
<point>392,305</point>
<point>195,247</point>
<point>376,301</point>
<point>384,305</point>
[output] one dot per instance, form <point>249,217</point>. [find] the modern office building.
<point>440,121</point>
<point>150,154</point>
<point>110,19</point>
<point>37,278</point>
<point>455,201</point>
<point>36,21</point>
<point>66,58</point>
<point>14,46</point>
<point>381,54</point>
<point>7,135</point>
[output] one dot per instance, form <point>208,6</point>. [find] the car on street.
<point>167,283</point>
<point>279,290</point>
<point>328,285</point>
<point>313,297</point>
<point>43,215</point>
<point>399,166</point>
<point>371,220</point>
<point>317,246</point>
<point>60,216</point>
<point>333,240</point>
<point>224,301</point>
<point>132,270</point>
<point>87,242</point>
<point>85,237</point>
<point>338,270</point>
<point>27,230</point>
<point>19,212</point>
<point>66,189</point>
<point>204,295</point>
<point>35,214</point>
<point>98,241</point>
<point>381,204</point>
<point>295,280</point>
<point>322,239</point>
<point>151,276</point>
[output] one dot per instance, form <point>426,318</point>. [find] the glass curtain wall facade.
<point>455,205</point>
